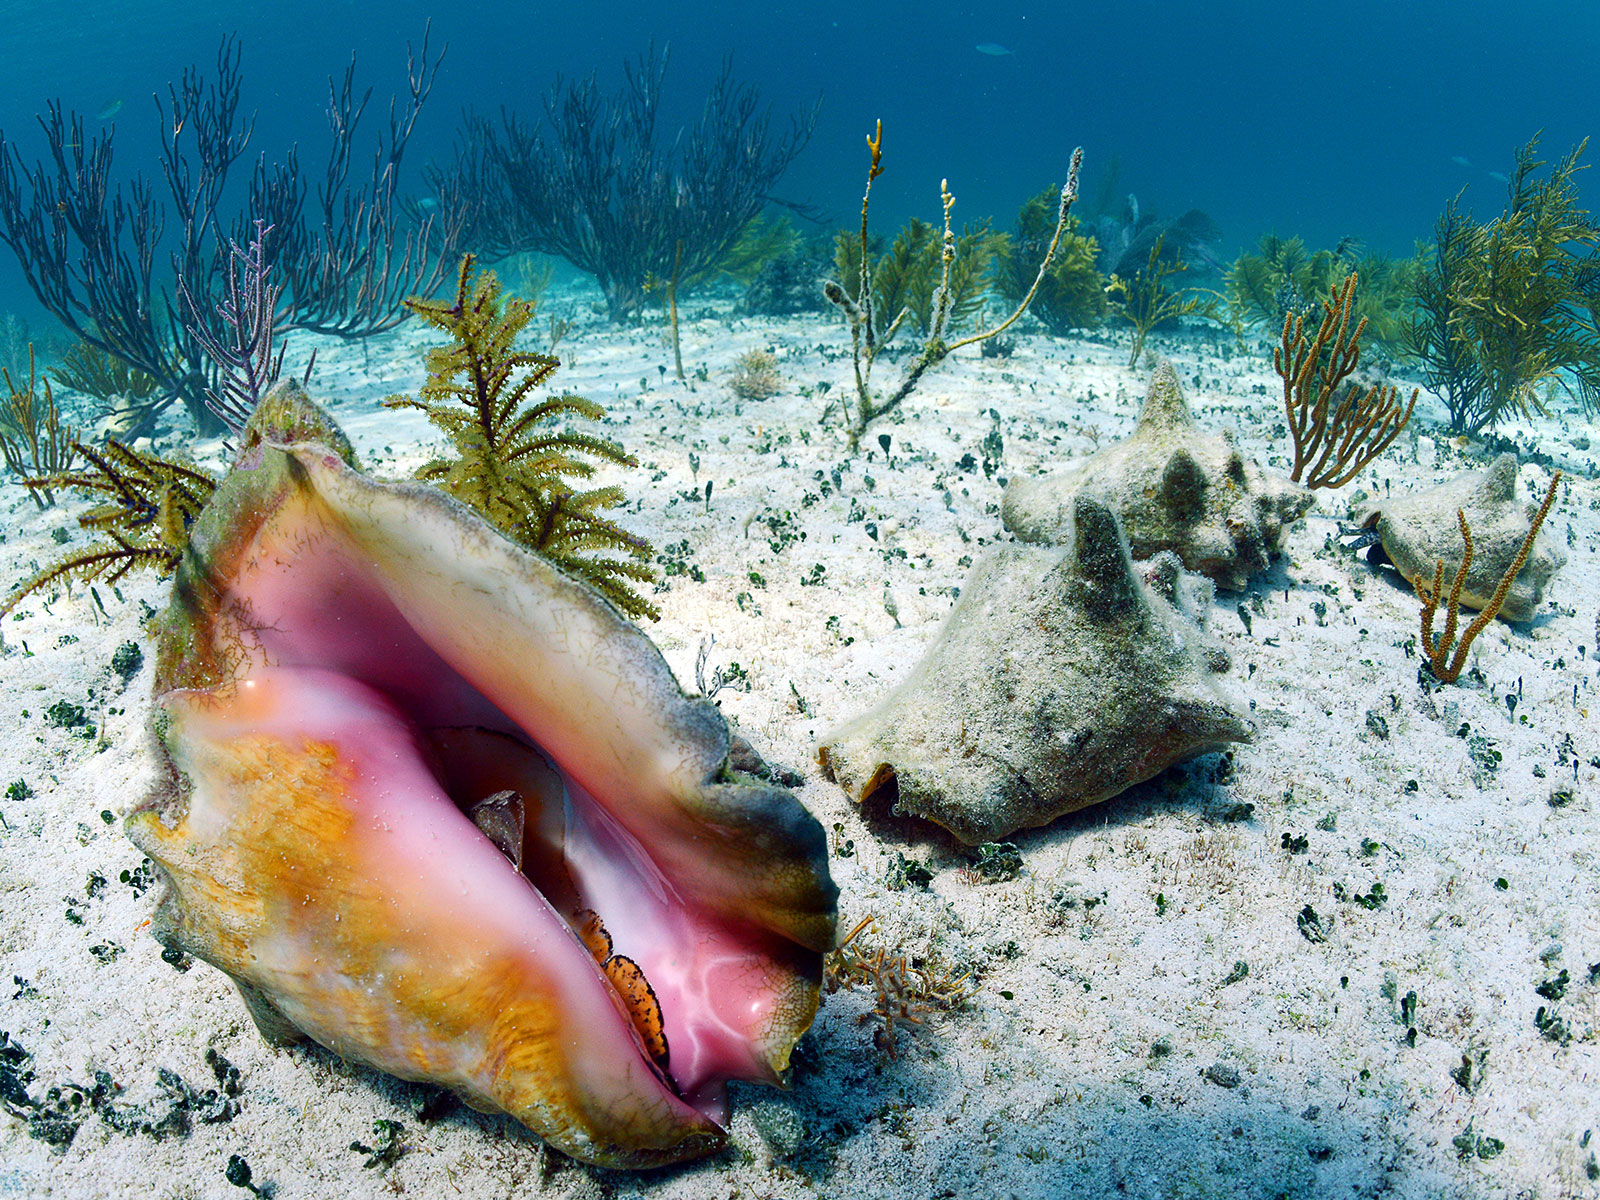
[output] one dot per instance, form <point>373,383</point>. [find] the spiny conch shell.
<point>370,709</point>
<point>1063,676</point>
<point>1173,487</point>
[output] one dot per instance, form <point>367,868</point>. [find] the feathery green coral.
<point>509,465</point>
<point>907,277</point>
<point>1145,301</point>
<point>148,504</point>
<point>1072,294</point>
<point>1509,308</point>
<point>35,443</point>
<point>1285,279</point>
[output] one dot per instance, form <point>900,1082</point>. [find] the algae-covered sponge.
<point>1061,677</point>
<point>444,810</point>
<point>1173,487</point>
<point>1420,530</point>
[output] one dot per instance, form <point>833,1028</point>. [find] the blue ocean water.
<point>1322,120</point>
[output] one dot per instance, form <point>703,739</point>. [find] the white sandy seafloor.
<point>1104,1051</point>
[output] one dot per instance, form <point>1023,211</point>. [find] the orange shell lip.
<point>350,672</point>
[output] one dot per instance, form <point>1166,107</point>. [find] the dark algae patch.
<point>55,1116</point>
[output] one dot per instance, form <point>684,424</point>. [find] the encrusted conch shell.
<point>1421,529</point>
<point>1173,487</point>
<point>443,810</point>
<point>1063,676</point>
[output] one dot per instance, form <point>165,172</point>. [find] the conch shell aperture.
<point>443,810</point>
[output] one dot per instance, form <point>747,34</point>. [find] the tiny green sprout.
<point>19,790</point>
<point>1311,926</point>
<point>1555,987</point>
<point>65,715</point>
<point>997,862</point>
<point>1241,969</point>
<point>1161,904</point>
<point>237,1172</point>
<point>1006,995</point>
<point>1296,843</point>
<point>108,816</point>
<point>1469,1143</point>
<point>1329,823</point>
<point>1501,884</point>
<point>1369,847</point>
<point>1373,900</point>
<point>1552,1027</point>
<point>387,1147</point>
<point>127,660</point>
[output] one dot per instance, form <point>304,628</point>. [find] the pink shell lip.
<point>319,608</point>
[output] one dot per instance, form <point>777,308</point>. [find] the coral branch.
<point>247,363</point>
<point>33,441</point>
<point>1332,447</point>
<point>866,340</point>
<point>593,183</point>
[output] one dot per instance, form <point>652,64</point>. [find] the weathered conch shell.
<point>1062,677</point>
<point>1173,487</point>
<point>1420,529</point>
<point>443,810</point>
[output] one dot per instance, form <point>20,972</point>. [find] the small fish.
<point>1460,160</point>
<point>992,49</point>
<point>108,110</point>
<point>1498,177</point>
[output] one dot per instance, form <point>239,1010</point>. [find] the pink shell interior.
<point>335,658</point>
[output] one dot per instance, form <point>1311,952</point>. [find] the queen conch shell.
<point>1421,529</point>
<point>1063,676</point>
<point>1173,487</point>
<point>443,810</point>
